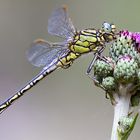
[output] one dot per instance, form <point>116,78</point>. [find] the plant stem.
<point>121,109</point>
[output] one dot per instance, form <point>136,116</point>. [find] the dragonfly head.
<point>109,31</point>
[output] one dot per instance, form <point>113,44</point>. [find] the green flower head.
<point>122,67</point>
<point>127,43</point>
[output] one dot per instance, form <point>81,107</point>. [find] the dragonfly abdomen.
<point>28,86</point>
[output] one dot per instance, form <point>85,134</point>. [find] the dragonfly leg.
<point>95,57</point>
<point>90,67</point>
<point>96,81</point>
<point>88,72</point>
<point>103,59</point>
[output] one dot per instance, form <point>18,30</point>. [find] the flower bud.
<point>127,43</point>
<point>102,68</point>
<point>109,83</point>
<point>125,70</point>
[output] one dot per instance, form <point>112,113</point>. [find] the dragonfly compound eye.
<point>107,28</point>
<point>109,31</point>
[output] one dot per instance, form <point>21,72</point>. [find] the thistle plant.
<point>119,76</point>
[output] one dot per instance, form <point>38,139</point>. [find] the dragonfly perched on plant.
<point>55,55</point>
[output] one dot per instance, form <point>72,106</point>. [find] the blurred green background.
<point>66,105</point>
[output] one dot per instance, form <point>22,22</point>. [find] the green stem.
<point>121,109</point>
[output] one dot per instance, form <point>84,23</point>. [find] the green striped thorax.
<point>93,40</point>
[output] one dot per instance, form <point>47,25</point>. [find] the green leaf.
<point>126,125</point>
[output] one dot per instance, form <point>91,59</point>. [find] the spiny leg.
<point>93,77</point>
<point>90,67</point>
<point>92,64</point>
<point>95,57</point>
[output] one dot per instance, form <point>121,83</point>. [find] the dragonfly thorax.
<point>86,41</point>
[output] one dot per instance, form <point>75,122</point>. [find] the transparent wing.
<point>42,53</point>
<point>60,24</point>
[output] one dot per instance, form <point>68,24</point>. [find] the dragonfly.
<point>52,56</point>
